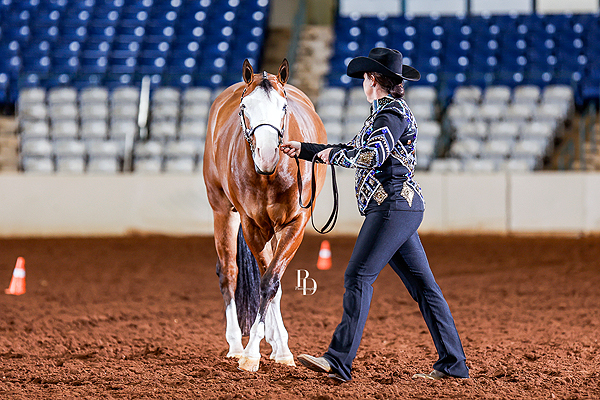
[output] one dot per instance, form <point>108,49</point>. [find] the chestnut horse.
<point>252,187</point>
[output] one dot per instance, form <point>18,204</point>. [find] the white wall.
<point>501,7</point>
<point>442,7</point>
<point>561,6</point>
<point>96,205</point>
<point>370,7</point>
<point>543,202</point>
<point>453,7</point>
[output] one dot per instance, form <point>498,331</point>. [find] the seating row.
<point>107,156</point>
<point>178,43</point>
<point>66,130</point>
<point>482,129</point>
<point>467,135</point>
<point>453,51</point>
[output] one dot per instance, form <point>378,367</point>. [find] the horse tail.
<point>247,292</point>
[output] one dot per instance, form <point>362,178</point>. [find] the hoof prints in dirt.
<point>142,317</point>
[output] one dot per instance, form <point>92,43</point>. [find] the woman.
<point>383,154</point>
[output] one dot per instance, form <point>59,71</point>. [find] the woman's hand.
<point>324,155</point>
<point>291,148</point>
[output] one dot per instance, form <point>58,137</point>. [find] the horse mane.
<point>266,85</point>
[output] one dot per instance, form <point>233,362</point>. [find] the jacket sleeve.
<point>388,127</point>
<point>308,150</point>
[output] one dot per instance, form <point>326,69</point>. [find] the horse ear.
<point>284,71</point>
<point>248,73</point>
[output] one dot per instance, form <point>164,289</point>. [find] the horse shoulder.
<point>223,123</point>
<point>305,124</point>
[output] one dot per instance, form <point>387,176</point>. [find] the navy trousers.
<point>391,237</point>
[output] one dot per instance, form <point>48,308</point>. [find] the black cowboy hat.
<point>387,62</point>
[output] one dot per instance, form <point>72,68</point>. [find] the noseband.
<point>249,132</point>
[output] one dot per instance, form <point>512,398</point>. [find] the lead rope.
<point>328,227</point>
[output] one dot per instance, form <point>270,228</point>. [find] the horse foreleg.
<point>251,358</point>
<point>276,334</point>
<point>288,240</point>
<point>268,288</point>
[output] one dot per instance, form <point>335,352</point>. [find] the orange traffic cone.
<point>17,283</point>
<point>324,261</point>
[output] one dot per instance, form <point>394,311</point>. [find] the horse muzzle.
<point>266,166</point>
<point>265,149</point>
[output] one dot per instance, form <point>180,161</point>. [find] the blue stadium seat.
<point>479,25</point>
<point>539,76</point>
<point>590,88</point>
<point>11,66</point>
<point>155,48</point>
<point>150,65</point>
<point>10,48</point>
<point>125,49</point>
<point>92,64</point>
<point>120,66</point>
<point>456,63</point>
<point>481,50</point>
<point>184,49</point>
<point>133,32</point>
<point>4,89</point>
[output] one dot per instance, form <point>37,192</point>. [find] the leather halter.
<point>249,132</point>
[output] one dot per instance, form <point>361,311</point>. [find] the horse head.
<point>263,113</point>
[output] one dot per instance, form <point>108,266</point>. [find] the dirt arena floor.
<point>142,317</point>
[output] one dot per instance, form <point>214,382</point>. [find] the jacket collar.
<point>378,104</point>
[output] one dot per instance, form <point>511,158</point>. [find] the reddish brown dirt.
<point>142,317</point>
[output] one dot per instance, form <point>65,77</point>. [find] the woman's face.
<point>369,88</point>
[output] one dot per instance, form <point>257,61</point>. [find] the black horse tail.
<point>247,292</point>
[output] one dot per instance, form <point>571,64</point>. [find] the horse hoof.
<point>234,355</point>
<point>249,364</point>
<point>287,361</point>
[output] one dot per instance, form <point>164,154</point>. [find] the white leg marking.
<point>277,332</point>
<point>251,357</point>
<point>233,333</point>
<point>271,327</point>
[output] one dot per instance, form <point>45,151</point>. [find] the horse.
<point>253,191</point>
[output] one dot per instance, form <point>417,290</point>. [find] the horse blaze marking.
<point>301,282</point>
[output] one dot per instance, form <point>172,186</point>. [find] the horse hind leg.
<point>233,333</point>
<point>276,334</point>
<point>247,292</point>
<point>250,359</point>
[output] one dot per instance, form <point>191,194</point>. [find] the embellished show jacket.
<point>383,154</point>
